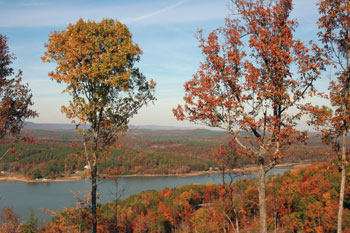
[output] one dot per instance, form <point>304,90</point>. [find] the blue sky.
<point>164,30</point>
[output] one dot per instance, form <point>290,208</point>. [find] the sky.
<point>163,29</point>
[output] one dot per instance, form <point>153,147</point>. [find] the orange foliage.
<point>253,73</point>
<point>96,61</point>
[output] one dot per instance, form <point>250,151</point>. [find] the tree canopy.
<point>15,97</point>
<point>334,25</point>
<point>254,72</point>
<point>96,60</point>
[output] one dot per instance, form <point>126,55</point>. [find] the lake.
<point>26,197</point>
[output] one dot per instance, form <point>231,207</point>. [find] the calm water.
<point>26,197</point>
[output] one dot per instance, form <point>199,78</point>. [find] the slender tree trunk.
<point>343,150</point>
<point>237,222</point>
<point>94,194</point>
<point>342,183</point>
<point>262,198</point>
<point>4,154</point>
<point>276,221</point>
<point>237,226</point>
<point>117,195</point>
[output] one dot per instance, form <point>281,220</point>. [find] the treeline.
<point>53,154</point>
<point>301,200</point>
<point>147,162</point>
<point>39,160</point>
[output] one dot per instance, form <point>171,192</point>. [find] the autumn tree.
<point>253,76</point>
<point>9,221</point>
<point>15,97</point>
<point>334,25</point>
<point>96,60</point>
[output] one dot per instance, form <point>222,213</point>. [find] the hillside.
<point>301,200</point>
<point>54,152</point>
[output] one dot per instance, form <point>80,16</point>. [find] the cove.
<point>26,197</point>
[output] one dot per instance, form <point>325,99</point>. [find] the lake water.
<point>26,197</point>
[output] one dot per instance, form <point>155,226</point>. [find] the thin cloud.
<point>33,4</point>
<point>152,14</point>
<point>144,13</point>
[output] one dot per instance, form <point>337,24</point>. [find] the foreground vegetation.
<point>253,79</point>
<point>301,200</point>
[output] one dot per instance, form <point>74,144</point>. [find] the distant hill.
<point>160,127</point>
<point>58,127</point>
<point>48,126</point>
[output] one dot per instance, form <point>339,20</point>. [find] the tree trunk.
<point>342,183</point>
<point>117,194</point>
<point>3,155</point>
<point>276,221</point>
<point>237,225</point>
<point>343,149</point>
<point>262,198</point>
<point>94,194</point>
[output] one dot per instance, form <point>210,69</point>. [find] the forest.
<point>300,200</point>
<point>53,154</point>
<point>256,84</point>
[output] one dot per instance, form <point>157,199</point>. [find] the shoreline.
<point>13,177</point>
